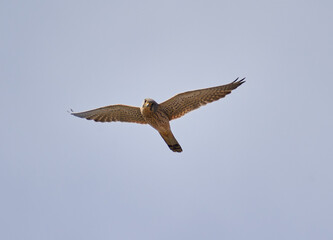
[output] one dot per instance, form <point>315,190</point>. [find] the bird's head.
<point>150,104</point>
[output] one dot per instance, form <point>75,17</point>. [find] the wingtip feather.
<point>239,82</point>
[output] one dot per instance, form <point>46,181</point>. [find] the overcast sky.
<point>255,165</point>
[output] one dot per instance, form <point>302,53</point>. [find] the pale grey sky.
<point>256,164</point>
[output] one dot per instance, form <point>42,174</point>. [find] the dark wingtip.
<point>239,82</point>
<point>71,112</point>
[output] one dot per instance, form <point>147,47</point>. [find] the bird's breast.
<point>158,119</point>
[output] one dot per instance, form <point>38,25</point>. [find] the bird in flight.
<point>159,115</point>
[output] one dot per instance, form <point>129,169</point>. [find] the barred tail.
<point>172,142</point>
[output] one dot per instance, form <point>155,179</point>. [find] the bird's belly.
<point>158,120</point>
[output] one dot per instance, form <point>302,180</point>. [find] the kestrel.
<point>159,115</point>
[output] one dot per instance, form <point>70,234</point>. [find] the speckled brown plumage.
<point>113,113</point>
<point>159,115</point>
<point>183,103</point>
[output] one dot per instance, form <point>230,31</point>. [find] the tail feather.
<point>171,142</point>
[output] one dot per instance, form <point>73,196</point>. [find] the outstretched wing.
<point>183,103</point>
<point>113,113</point>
